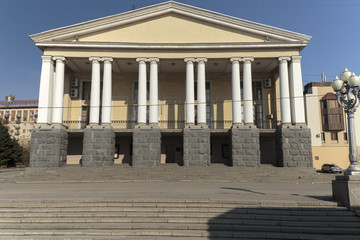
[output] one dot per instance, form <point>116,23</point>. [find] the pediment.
<point>171,28</point>
<point>169,23</point>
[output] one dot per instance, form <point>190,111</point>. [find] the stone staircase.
<point>175,219</point>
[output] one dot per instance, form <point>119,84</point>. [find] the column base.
<point>196,145</point>
<point>48,146</point>
<point>98,146</point>
<point>346,190</point>
<point>146,145</point>
<point>245,146</point>
<point>293,146</point>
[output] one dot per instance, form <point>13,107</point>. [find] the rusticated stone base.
<point>293,147</point>
<point>245,146</point>
<point>48,146</point>
<point>146,145</point>
<point>346,190</point>
<point>98,146</point>
<point>196,145</point>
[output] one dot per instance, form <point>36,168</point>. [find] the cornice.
<point>165,8</point>
<point>125,45</point>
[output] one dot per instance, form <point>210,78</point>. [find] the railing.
<point>168,124</point>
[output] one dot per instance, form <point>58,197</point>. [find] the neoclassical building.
<point>171,83</point>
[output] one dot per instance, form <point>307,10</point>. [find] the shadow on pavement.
<point>284,223</point>
<point>244,190</point>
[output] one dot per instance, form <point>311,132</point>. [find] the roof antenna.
<point>323,77</point>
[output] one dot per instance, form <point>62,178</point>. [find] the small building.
<point>20,117</point>
<point>328,124</point>
<point>171,83</point>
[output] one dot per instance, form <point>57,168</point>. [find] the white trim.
<point>170,45</point>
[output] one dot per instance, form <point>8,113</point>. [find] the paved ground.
<point>218,182</point>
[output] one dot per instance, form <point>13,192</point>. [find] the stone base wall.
<point>98,146</point>
<point>245,147</point>
<point>146,146</point>
<point>196,146</point>
<point>293,147</point>
<point>48,146</point>
<point>346,190</point>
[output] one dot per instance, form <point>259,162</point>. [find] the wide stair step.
<point>180,219</point>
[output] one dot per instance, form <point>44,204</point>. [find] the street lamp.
<point>347,94</point>
<point>6,120</point>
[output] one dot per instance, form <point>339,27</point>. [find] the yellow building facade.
<point>20,117</point>
<point>165,72</point>
<point>328,124</point>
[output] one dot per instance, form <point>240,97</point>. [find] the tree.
<point>10,150</point>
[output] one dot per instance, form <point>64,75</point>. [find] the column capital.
<point>201,59</point>
<point>141,59</point>
<point>95,59</point>
<point>153,60</point>
<point>189,59</point>
<point>47,58</point>
<point>296,59</point>
<point>235,59</point>
<point>60,58</point>
<point>107,59</point>
<point>247,59</point>
<point>283,59</point>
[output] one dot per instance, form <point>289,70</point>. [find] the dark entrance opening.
<point>268,147</point>
<point>74,147</point>
<point>172,147</point>
<point>123,148</point>
<point>220,147</point>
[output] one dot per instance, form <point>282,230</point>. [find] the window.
<point>25,115</point>
<point>12,115</point>
<point>323,136</point>
<point>334,136</point>
<point>332,113</point>
<point>85,90</point>
<point>345,136</point>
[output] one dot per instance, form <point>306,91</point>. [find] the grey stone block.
<point>97,149</point>
<point>245,147</point>
<point>196,145</point>
<point>146,145</point>
<point>293,147</point>
<point>346,190</point>
<point>48,147</point>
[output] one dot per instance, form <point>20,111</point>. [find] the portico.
<point>132,93</point>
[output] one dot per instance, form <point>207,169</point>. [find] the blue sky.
<point>333,24</point>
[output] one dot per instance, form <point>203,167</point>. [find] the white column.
<point>58,97</point>
<point>154,96</point>
<point>236,90</point>
<point>201,91</point>
<point>45,91</point>
<point>284,90</point>
<point>95,91</point>
<point>248,93</point>
<point>190,115</point>
<point>107,91</point>
<point>142,90</point>
<point>296,91</point>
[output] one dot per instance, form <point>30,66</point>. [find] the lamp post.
<point>18,121</point>
<point>6,121</point>
<point>347,94</point>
